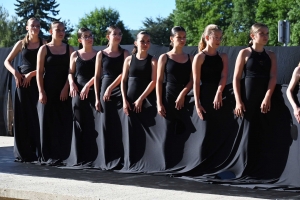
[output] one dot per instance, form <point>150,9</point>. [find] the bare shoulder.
<point>154,59</point>
<point>297,70</point>
<point>73,55</point>
<point>163,57</point>
<point>271,54</point>
<point>128,59</point>
<point>199,56</point>
<point>99,54</point>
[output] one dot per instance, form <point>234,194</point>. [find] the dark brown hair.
<point>135,49</point>
<point>174,30</point>
<point>79,34</point>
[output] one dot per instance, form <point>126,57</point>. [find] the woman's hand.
<point>138,105</point>
<point>42,97</point>
<point>98,105</point>
<point>126,107</point>
<point>64,93</point>
<point>266,105</point>
<point>200,111</point>
<point>297,114</point>
<point>179,103</point>
<point>18,78</point>
<point>218,103</point>
<point>161,110</point>
<point>239,109</point>
<point>84,92</point>
<point>106,96</point>
<point>26,80</point>
<point>73,89</point>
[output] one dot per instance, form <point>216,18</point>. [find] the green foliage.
<point>159,29</point>
<point>293,17</point>
<point>195,15</point>
<point>7,28</point>
<point>45,10</point>
<point>243,16</point>
<point>98,21</point>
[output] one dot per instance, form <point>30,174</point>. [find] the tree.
<point>7,28</point>
<point>44,10</point>
<point>159,29</point>
<point>237,34</point>
<point>293,17</point>
<point>270,12</point>
<point>195,15</point>
<point>98,21</point>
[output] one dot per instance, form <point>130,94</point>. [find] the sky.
<point>132,12</point>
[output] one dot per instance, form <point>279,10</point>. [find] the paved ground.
<point>28,181</point>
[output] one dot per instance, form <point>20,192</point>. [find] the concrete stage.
<point>28,181</point>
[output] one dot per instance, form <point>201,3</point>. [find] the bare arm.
<point>97,78</point>
<point>179,103</point>
<point>40,72</point>
<point>289,92</point>
<point>237,76</point>
<point>196,69</point>
<point>126,105</point>
<point>73,86</point>
<point>266,104</point>
<point>159,84</point>
<point>7,63</point>
<point>65,90</point>
<point>222,83</point>
<point>138,103</point>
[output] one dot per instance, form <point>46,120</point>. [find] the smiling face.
<point>260,36</point>
<point>33,27</point>
<point>114,36</point>
<point>143,42</point>
<point>179,39</point>
<point>57,31</point>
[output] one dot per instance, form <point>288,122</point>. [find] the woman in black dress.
<point>176,67</point>
<point>108,74</point>
<point>253,103</point>
<point>26,124</point>
<point>137,86</point>
<point>81,80</point>
<point>55,108</point>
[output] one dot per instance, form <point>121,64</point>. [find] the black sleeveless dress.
<point>26,123</point>
<point>56,115</point>
<point>108,122</point>
<point>84,148</point>
<point>142,146</point>
<point>178,125</point>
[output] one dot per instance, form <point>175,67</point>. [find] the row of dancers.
<point>133,112</point>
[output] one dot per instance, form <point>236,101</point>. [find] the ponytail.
<point>80,46</point>
<point>134,50</point>
<point>171,46</point>
<point>202,43</point>
<point>209,29</point>
<point>25,41</point>
<point>250,43</point>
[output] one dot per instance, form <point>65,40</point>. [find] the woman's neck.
<point>56,42</point>
<point>258,47</point>
<point>210,50</point>
<point>177,50</point>
<point>113,48</point>
<point>33,38</point>
<point>142,54</point>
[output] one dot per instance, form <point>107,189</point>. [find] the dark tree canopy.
<point>159,29</point>
<point>44,10</point>
<point>98,21</point>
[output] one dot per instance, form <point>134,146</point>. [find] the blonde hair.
<point>25,40</point>
<point>207,31</point>
<point>254,29</point>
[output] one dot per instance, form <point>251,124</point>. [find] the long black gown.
<point>143,145</point>
<point>84,147</point>
<point>178,124</point>
<point>55,116</point>
<point>211,144</point>
<point>26,122</point>
<point>260,149</point>
<point>108,121</point>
